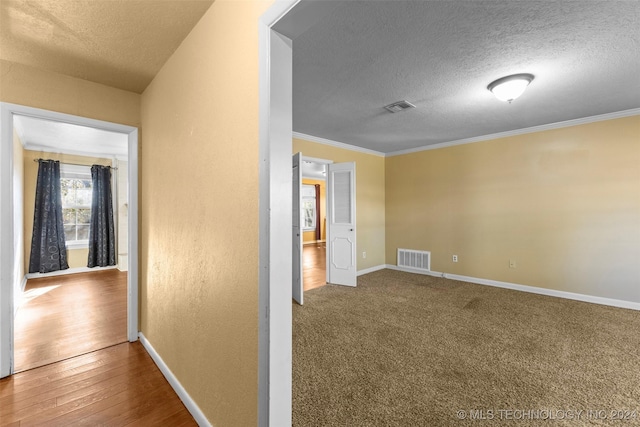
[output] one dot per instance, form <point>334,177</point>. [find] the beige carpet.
<point>412,350</point>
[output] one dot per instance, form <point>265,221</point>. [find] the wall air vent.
<point>399,106</point>
<point>417,260</point>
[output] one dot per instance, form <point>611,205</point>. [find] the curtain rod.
<point>76,164</point>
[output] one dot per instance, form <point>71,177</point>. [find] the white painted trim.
<point>541,128</point>
<point>23,283</point>
<point>336,144</point>
<point>7,251</point>
<point>533,129</point>
<point>549,292</point>
<point>525,288</point>
<point>414,271</point>
<point>7,111</point>
<point>74,270</point>
<point>371,269</point>
<point>132,239</point>
<point>191,405</point>
<point>275,58</point>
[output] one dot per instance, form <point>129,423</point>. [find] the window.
<point>308,198</point>
<point>76,190</point>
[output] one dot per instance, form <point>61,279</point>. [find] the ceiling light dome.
<point>510,87</point>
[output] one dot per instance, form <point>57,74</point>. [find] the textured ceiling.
<point>441,55</point>
<point>58,137</point>
<point>119,43</point>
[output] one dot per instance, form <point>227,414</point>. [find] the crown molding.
<point>336,144</point>
<point>533,129</point>
<point>541,128</point>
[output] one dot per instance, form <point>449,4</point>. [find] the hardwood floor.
<point>314,264</point>
<point>116,386</point>
<point>65,316</point>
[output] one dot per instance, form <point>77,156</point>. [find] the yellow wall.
<point>310,236</point>
<point>75,257</point>
<point>23,85</point>
<point>199,213</point>
<point>564,204</point>
<point>370,197</point>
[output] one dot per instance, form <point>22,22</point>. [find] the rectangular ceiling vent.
<point>417,260</point>
<point>399,106</point>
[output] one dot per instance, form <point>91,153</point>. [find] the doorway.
<point>12,229</point>
<point>314,224</point>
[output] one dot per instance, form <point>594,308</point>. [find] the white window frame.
<point>76,172</point>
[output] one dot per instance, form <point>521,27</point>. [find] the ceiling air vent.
<point>399,106</point>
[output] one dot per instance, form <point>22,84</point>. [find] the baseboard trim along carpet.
<point>371,269</point>
<point>524,288</point>
<point>191,405</point>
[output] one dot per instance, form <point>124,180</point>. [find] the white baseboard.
<point>525,288</point>
<point>74,270</point>
<point>549,292</point>
<point>371,269</point>
<point>191,405</point>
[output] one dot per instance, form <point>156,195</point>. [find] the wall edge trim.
<point>190,404</point>
<point>23,283</point>
<point>371,269</point>
<point>530,289</point>
<point>548,292</point>
<point>336,144</point>
<point>533,129</point>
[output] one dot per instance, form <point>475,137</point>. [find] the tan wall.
<point>23,85</point>
<point>199,213</point>
<point>75,257</point>
<point>370,197</point>
<point>564,204</point>
<point>310,236</point>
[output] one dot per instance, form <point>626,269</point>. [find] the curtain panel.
<point>48,247</point>
<point>102,241</point>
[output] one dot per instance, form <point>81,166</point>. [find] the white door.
<point>298,292</point>
<point>341,224</point>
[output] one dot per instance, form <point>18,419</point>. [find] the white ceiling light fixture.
<point>510,87</point>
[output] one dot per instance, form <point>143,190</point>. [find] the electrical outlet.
<point>455,258</point>
<point>512,263</point>
<point>364,254</point>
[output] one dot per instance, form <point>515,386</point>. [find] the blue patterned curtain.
<point>102,240</point>
<point>48,249</point>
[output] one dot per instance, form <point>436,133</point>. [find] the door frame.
<point>325,162</point>
<point>275,140</point>
<point>7,252</point>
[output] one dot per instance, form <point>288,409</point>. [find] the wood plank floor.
<point>116,386</point>
<point>65,316</point>
<point>314,265</point>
